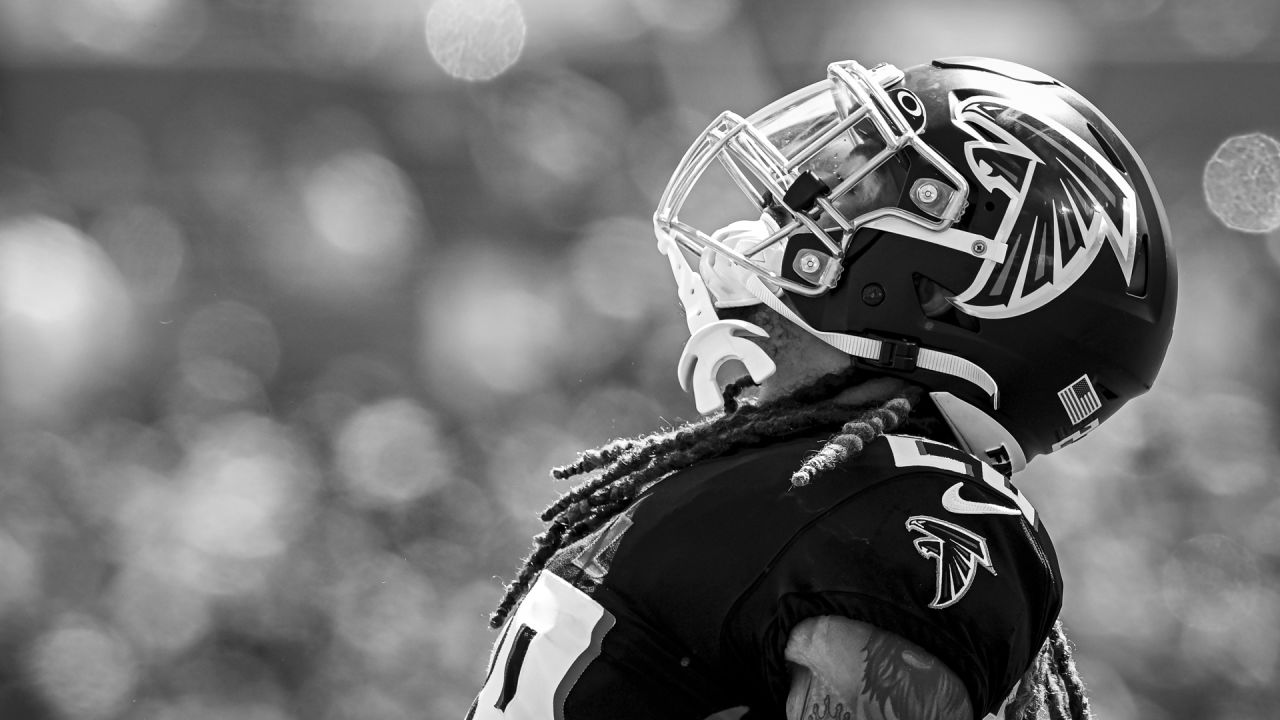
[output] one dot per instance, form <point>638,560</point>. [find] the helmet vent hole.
<point>1138,281</point>
<point>989,206</point>
<point>936,305</point>
<point>1106,148</point>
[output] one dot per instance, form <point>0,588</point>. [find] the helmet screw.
<point>927,193</point>
<point>809,263</point>
<point>979,247</point>
<point>872,294</point>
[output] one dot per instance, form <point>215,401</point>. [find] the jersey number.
<point>552,637</point>
<point>915,452</point>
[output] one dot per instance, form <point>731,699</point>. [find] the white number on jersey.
<point>555,632</point>
<point>917,452</point>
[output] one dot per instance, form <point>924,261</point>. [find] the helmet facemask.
<point>806,165</point>
<point>801,160</point>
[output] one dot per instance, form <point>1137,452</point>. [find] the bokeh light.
<point>1225,27</point>
<point>348,36</point>
<point>362,206</point>
<point>244,489</point>
<point>86,671</point>
<point>19,576</point>
<point>489,323</point>
<point>392,453</point>
<point>1243,459</point>
<point>157,30</point>
<point>233,331</point>
<point>475,39</point>
<point>65,317</point>
<point>161,617</point>
<point>687,18</point>
<point>1242,183</point>
<point>523,456</point>
<point>550,140</point>
<point>349,222</point>
<point>1208,582</point>
<point>147,246</point>
<point>614,272</point>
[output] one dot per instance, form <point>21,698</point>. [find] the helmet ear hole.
<point>935,303</point>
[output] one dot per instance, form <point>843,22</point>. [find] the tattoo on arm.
<point>827,709</point>
<point>914,684</point>
<point>808,688</point>
<point>843,669</point>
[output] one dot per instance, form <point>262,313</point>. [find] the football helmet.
<point>971,225</point>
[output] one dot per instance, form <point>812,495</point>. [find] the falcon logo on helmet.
<point>957,554</point>
<point>1058,210</point>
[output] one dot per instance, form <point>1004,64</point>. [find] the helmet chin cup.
<point>709,348</point>
<point>712,342</point>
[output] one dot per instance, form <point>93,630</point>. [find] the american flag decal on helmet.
<point>1080,400</point>
<point>1059,201</point>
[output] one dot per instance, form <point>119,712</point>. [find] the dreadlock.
<point>1052,683</point>
<point>627,466</point>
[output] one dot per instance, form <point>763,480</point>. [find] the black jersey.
<point>682,606</point>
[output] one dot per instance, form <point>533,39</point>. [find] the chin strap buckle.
<point>895,354</point>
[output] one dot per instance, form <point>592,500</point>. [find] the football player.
<point>940,274</point>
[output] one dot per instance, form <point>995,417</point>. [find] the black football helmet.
<point>971,225</point>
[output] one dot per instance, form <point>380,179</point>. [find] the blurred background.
<point>299,300</point>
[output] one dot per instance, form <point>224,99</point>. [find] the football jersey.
<point>681,606</point>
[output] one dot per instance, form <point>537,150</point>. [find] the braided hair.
<point>627,466</point>
<point>1052,684</point>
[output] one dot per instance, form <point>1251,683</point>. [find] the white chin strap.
<point>978,432</point>
<point>871,349</point>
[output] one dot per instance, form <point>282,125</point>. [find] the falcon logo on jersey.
<point>957,554</point>
<point>1053,237</point>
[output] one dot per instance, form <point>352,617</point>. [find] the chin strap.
<point>712,342</point>
<point>872,349</point>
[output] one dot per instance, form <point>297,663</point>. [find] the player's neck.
<point>872,390</point>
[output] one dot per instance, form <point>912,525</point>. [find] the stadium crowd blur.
<point>299,300</point>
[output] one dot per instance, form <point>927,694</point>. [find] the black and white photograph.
<point>639,360</point>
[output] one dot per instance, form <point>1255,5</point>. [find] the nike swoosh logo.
<point>952,501</point>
